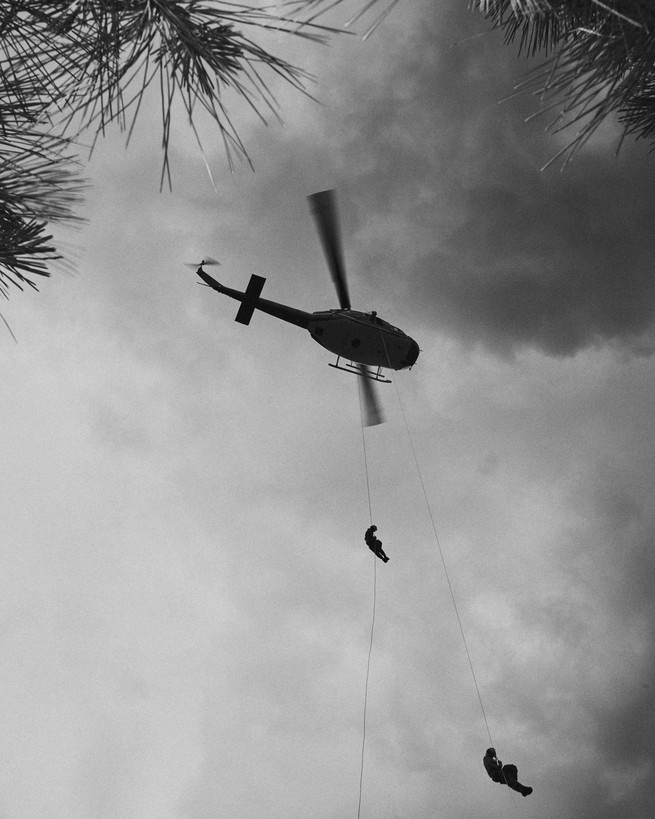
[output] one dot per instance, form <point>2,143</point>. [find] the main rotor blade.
<point>324,210</point>
<point>372,411</point>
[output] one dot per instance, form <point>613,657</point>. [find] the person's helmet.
<point>491,752</point>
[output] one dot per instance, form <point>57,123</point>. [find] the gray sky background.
<point>186,597</point>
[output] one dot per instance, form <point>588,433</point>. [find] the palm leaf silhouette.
<point>68,68</point>
<point>600,60</point>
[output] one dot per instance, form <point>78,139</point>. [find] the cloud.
<point>190,594</point>
<point>453,212</point>
<point>560,267</point>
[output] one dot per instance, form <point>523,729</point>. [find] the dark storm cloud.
<point>440,190</point>
<point>559,266</point>
<point>505,254</point>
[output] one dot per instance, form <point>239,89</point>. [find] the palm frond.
<point>68,67</point>
<point>316,8</point>
<point>600,60</point>
<point>24,251</point>
<point>96,59</point>
<point>40,182</point>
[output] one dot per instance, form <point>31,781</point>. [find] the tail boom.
<point>251,301</point>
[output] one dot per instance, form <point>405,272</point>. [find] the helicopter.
<point>363,343</point>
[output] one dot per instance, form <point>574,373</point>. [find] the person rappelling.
<point>374,544</point>
<point>503,774</point>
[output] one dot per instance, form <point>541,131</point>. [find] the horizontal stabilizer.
<point>249,303</point>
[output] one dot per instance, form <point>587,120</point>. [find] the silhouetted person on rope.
<point>503,774</point>
<point>374,544</point>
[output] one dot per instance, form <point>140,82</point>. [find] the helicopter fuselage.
<point>364,338</point>
<point>360,337</point>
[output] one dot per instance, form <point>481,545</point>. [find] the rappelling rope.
<point>370,647</point>
<point>446,573</point>
<point>441,555</point>
<point>368,668</point>
<point>368,484</point>
<point>450,585</point>
<point>445,567</point>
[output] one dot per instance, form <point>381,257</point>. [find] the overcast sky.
<point>186,597</point>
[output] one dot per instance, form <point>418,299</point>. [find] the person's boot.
<point>526,791</point>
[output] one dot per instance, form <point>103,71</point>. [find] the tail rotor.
<point>208,261</point>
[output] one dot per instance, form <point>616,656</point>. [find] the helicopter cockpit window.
<point>377,320</point>
<point>373,318</point>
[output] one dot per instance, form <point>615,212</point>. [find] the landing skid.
<point>375,374</point>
